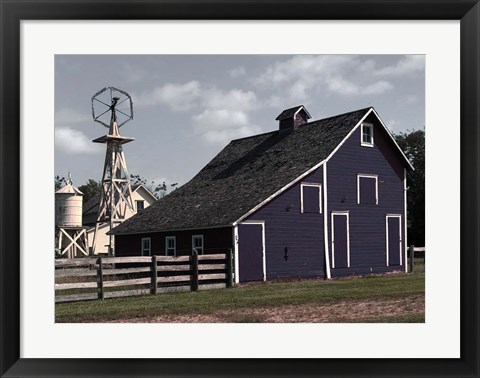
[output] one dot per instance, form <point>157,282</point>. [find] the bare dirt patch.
<point>343,311</point>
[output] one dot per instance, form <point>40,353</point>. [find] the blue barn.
<point>311,199</point>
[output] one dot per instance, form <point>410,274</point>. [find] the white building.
<point>141,197</point>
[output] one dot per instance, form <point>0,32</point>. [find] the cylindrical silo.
<point>68,206</point>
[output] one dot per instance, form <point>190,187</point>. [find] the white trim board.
<point>264,255</point>
<point>393,139</point>
<point>325,223</point>
<point>306,111</point>
<point>314,185</point>
<point>347,214</point>
<point>399,216</point>
<point>235,250</point>
<point>367,175</point>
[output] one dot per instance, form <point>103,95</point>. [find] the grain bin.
<point>68,206</point>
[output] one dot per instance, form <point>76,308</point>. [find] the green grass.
<point>264,295</point>
<point>418,265</point>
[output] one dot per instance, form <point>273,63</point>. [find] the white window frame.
<point>367,175</point>
<point>149,245</point>
<point>366,144</point>
<point>348,236</point>
<point>203,242</point>
<point>399,216</point>
<point>319,186</point>
<point>167,238</point>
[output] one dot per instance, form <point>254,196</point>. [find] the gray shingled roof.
<point>242,175</point>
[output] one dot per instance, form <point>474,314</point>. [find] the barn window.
<point>311,198</point>
<point>170,246</point>
<point>197,243</point>
<point>140,205</point>
<point>367,189</point>
<point>146,247</point>
<point>367,134</point>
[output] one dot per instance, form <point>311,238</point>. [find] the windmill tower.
<point>112,108</point>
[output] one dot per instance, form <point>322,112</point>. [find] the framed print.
<point>43,43</point>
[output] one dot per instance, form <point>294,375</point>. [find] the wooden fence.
<point>412,250</point>
<point>112,277</point>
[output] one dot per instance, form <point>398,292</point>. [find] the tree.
<point>59,182</point>
<point>90,189</point>
<point>158,190</point>
<point>412,144</point>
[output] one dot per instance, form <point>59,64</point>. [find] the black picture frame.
<point>12,12</point>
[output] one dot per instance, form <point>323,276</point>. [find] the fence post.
<point>412,255</point>
<point>229,268</point>
<point>100,279</point>
<point>154,275</point>
<point>194,284</point>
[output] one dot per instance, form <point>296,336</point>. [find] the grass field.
<point>390,298</point>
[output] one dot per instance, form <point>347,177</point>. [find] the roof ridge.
<point>339,115</point>
<point>305,124</point>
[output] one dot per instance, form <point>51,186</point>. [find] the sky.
<point>188,107</point>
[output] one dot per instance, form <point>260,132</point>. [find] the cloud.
<point>407,65</point>
<point>234,99</point>
<point>341,86</point>
<point>379,87</point>
<point>411,99</point>
<point>302,76</point>
<point>179,97</point>
<point>67,115</point>
<point>222,125</point>
<point>225,112</point>
<point>306,68</point>
<point>391,125</point>
<point>74,142</point>
<point>237,71</point>
<point>184,97</point>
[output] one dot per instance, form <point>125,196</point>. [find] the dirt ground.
<point>345,311</point>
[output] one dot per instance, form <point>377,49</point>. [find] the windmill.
<point>112,108</point>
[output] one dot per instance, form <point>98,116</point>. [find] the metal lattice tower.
<point>116,194</point>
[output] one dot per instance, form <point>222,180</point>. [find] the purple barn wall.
<point>215,240</point>
<point>367,221</point>
<point>301,234</point>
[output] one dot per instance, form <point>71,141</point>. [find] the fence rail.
<point>110,277</point>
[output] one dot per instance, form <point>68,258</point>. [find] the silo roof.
<point>69,189</point>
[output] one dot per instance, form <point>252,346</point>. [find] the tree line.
<point>412,144</point>
<point>93,187</point>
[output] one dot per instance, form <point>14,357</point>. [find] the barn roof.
<point>245,173</point>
